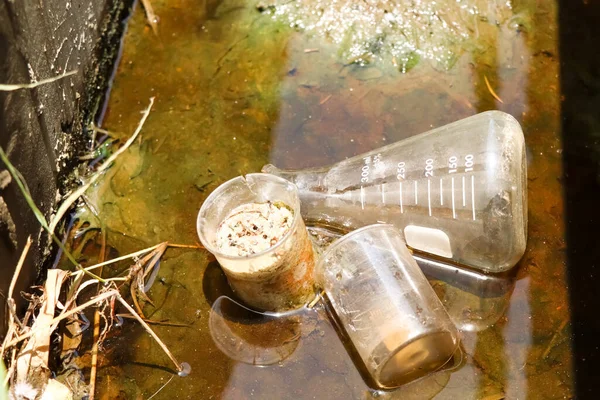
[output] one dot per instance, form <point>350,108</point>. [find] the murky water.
<point>237,88</point>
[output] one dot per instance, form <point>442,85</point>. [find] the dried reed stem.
<point>13,282</point>
<point>161,388</point>
<point>135,254</point>
<point>10,301</point>
<point>66,314</point>
<point>151,332</point>
<point>150,16</point>
<point>94,355</point>
<point>10,88</point>
<point>114,260</point>
<point>492,92</point>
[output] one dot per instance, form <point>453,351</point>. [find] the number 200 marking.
<point>429,167</point>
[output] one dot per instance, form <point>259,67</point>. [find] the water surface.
<point>239,85</point>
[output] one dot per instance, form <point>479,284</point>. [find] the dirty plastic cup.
<point>386,307</point>
<point>277,277</point>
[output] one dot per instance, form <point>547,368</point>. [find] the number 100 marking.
<point>469,163</point>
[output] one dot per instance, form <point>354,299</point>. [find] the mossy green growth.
<point>408,63</point>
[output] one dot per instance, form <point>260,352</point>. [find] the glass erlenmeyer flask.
<point>457,192</point>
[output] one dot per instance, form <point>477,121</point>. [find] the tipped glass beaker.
<point>385,306</point>
<point>457,192</point>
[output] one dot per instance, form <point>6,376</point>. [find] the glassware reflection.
<point>474,300</point>
<point>253,337</point>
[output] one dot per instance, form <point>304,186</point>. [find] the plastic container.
<point>386,307</point>
<point>279,277</point>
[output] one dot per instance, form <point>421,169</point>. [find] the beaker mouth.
<point>213,198</point>
<point>349,236</point>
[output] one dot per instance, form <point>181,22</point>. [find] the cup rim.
<point>211,199</point>
<point>340,241</point>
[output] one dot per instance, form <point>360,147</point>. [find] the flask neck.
<point>304,179</point>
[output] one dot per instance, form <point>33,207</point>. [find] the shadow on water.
<point>235,89</point>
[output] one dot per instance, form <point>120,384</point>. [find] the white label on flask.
<point>430,240</point>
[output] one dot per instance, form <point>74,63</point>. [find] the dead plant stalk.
<point>12,87</point>
<point>51,325</point>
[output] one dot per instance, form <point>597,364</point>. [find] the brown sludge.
<point>269,270</point>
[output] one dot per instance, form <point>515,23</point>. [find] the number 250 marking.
<point>401,171</point>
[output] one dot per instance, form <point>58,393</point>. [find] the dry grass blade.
<point>325,100</point>
<point>10,88</point>
<point>151,266</point>
<point>151,332</point>
<point>554,339</point>
<point>136,254</point>
<point>66,205</point>
<point>94,355</point>
<point>13,282</point>
<point>138,308</point>
<point>162,387</point>
<point>11,326</point>
<point>137,273</point>
<point>492,92</point>
<point>122,258</point>
<point>64,315</point>
<point>152,18</point>
<point>13,358</point>
<point>186,246</point>
<point>97,338</point>
<point>495,396</point>
<point>33,357</point>
<point>164,323</point>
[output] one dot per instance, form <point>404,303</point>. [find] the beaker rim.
<point>338,242</point>
<point>211,200</point>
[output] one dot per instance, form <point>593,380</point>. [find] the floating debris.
<point>492,92</point>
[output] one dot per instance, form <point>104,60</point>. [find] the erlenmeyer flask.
<point>457,192</point>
